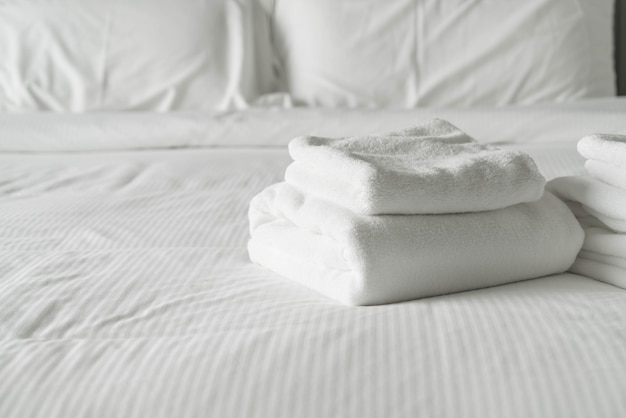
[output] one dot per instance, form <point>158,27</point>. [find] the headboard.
<point>620,46</point>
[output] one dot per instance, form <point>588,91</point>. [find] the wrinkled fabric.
<point>158,55</point>
<point>445,53</point>
<point>126,291</point>
<point>271,127</point>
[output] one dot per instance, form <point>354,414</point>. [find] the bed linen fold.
<point>275,127</point>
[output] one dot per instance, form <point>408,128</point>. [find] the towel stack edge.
<point>599,199</point>
<point>419,212</point>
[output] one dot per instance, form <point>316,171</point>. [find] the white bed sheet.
<point>126,291</point>
<point>274,127</point>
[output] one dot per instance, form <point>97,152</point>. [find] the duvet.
<point>126,290</point>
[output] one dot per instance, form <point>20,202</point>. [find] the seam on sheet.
<point>52,340</point>
<point>117,250</point>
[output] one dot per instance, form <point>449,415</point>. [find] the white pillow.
<point>407,53</point>
<point>158,55</point>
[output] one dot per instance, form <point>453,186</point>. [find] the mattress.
<point>126,290</point>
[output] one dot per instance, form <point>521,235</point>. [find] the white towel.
<point>369,260</point>
<point>605,202</point>
<point>429,169</point>
<point>607,148</point>
<point>603,257</point>
<point>608,173</point>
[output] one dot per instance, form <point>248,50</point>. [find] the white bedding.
<point>126,290</point>
<point>270,127</point>
<point>408,53</point>
<point>149,55</point>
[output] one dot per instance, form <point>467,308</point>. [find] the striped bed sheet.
<point>126,291</point>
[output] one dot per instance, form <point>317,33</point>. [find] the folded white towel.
<point>369,260</point>
<point>603,257</point>
<point>607,148</point>
<point>608,173</point>
<point>431,168</point>
<point>605,202</point>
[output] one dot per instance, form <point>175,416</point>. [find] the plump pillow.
<point>407,53</point>
<point>157,55</point>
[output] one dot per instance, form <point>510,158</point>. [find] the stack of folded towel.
<point>599,202</point>
<point>410,214</point>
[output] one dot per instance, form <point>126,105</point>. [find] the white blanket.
<point>126,291</point>
<point>428,169</point>
<point>369,260</point>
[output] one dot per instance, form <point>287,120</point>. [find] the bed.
<point>126,288</point>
